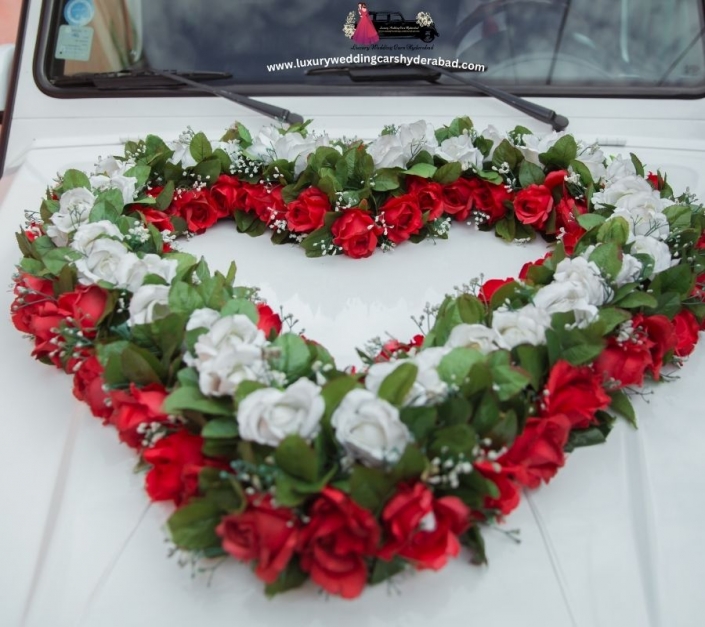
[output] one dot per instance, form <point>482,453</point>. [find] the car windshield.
<point>633,46</point>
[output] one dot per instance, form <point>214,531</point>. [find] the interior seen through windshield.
<point>613,43</point>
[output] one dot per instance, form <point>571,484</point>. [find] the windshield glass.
<point>638,46</point>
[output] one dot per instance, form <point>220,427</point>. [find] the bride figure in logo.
<point>365,33</point>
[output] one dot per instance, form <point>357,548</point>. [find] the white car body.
<point>615,539</point>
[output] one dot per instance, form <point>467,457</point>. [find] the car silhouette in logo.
<point>392,25</point>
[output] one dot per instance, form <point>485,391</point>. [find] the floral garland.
<point>271,453</point>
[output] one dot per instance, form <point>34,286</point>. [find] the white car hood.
<point>614,540</point>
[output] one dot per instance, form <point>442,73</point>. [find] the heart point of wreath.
<point>274,455</point>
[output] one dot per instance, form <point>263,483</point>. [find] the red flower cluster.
<point>392,348</point>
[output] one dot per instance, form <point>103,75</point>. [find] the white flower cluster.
<point>110,174</point>
<point>230,351</point>
<point>423,18</point>
<point>349,26</point>
<point>270,145</point>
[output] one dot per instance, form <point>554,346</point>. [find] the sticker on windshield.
<point>74,43</point>
<point>79,12</point>
<point>366,26</point>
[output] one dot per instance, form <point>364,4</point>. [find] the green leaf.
<point>290,578</point>
<point>636,300</point>
<point>55,260</point>
<point>190,398</point>
<point>506,153</point>
<point>249,223</point>
<point>140,172</point>
<point>583,172</point>
<point>534,362</point>
<point>383,570</point>
<point>678,279</point>
<point>614,230</point>
<point>508,380</point>
<point>397,385</point>
<point>296,458</point>
<point>448,173</point>
<point>561,153</point>
<point>638,166</point>
<point>623,406</point>
<point>530,174</point>
<point>420,420</point>
<point>453,440</point>
<point>579,438</point>
<point>424,170</point>
<point>456,365</point>
<point>208,170</point>
<point>295,358</point>
<point>607,258</point>
<point>335,390</point>
<point>73,179</point>
<point>385,180</point>
<point>591,220</point>
<point>220,429</point>
<point>370,488</point>
<point>679,217</point>
<point>200,147</point>
<point>184,298</point>
<point>140,366</point>
<point>411,465</point>
<point>240,306</point>
<point>192,527</point>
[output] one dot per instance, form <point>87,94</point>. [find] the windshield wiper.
<point>153,78</point>
<point>393,72</point>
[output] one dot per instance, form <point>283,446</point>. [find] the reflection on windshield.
<point>521,42</point>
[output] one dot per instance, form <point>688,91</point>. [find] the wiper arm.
<point>131,79</point>
<point>365,73</point>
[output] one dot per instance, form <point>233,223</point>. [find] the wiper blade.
<point>131,79</point>
<point>366,73</point>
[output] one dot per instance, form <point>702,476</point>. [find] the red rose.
<point>34,230</point>
<point>575,392</point>
<point>509,492</point>
<point>356,233</point>
<point>138,406</point>
<point>567,212</point>
<point>88,387</point>
<point>196,207</point>
<point>524,272</point>
<point>393,348</point>
<point>490,287</point>
<point>537,453</point>
<point>176,460</point>
<point>401,217</point>
<point>269,322</point>
<point>422,529</point>
<point>661,334</point>
<point>307,213</point>
<point>262,533</point>
<point>655,180</point>
<point>533,205</point>
<point>264,200</point>
<point>458,198</point>
<point>489,198</point>
<point>429,194</point>
<point>226,193</point>
<point>335,542</point>
<point>686,330</point>
<point>85,306</point>
<point>622,364</point>
<point>160,219</point>
<point>34,297</point>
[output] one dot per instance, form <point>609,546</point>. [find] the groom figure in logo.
<point>365,33</point>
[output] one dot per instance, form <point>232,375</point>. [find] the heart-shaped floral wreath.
<point>270,452</point>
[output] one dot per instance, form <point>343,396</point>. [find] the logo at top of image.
<point>365,26</point>
<point>79,12</point>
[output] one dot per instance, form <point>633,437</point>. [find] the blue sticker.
<point>79,12</point>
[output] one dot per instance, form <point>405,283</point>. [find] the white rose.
<point>477,336</point>
<point>102,263</point>
<point>630,270</point>
<point>494,136</point>
<point>110,166</point>
<point>88,234</point>
<point>74,210</point>
<point>524,326</point>
<point>594,160</point>
<point>643,212</point>
<point>387,152</point>
<point>417,137</point>
<point>270,145</point>
<point>127,185</point>
<point>202,318</point>
<point>182,151</point>
<point>461,149</point>
<point>428,386</point>
<point>620,188</point>
<point>534,145</point>
<point>149,303</point>
<point>369,428</point>
<point>619,168</point>
<point>268,415</point>
<point>585,274</point>
<point>657,250</point>
<point>564,297</point>
<point>132,270</point>
<point>229,353</point>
